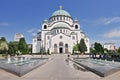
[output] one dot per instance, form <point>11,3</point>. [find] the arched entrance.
<point>61,47</point>
<point>55,48</point>
<point>66,48</point>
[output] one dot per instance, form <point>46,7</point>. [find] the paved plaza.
<point>57,68</point>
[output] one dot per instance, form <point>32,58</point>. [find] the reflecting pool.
<point>21,65</point>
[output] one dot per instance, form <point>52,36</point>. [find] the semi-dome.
<point>61,25</point>
<point>60,12</point>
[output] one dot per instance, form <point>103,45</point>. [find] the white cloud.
<point>4,24</point>
<point>31,30</point>
<point>34,34</point>
<point>110,20</point>
<point>102,21</point>
<point>39,30</point>
<point>112,34</point>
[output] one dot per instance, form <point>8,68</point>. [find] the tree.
<point>105,51</point>
<point>22,46</point>
<point>3,39</point>
<point>13,48</point>
<point>3,45</point>
<point>92,50</point>
<point>98,48</point>
<point>118,51</point>
<point>82,46</point>
<point>76,47</point>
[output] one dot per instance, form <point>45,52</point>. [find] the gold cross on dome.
<point>60,7</point>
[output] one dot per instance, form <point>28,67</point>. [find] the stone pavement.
<point>57,69</point>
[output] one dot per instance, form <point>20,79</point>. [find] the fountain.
<point>16,59</point>
<point>8,60</point>
<point>101,67</point>
<point>21,65</point>
<point>113,61</point>
<point>21,59</point>
<point>105,60</point>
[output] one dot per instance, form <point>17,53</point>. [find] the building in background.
<point>18,36</point>
<point>109,46</point>
<point>59,34</point>
<point>36,43</point>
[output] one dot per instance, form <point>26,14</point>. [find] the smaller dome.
<point>61,25</point>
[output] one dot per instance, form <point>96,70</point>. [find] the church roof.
<point>61,12</point>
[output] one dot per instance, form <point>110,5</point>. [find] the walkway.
<point>55,69</point>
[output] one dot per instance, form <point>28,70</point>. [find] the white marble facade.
<point>59,34</point>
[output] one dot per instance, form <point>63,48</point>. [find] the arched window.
<point>45,26</point>
<point>34,40</point>
<point>61,30</point>
<point>57,31</point>
<point>66,45</point>
<point>57,18</point>
<point>64,18</point>
<point>76,26</point>
<point>64,31</point>
<point>73,37</point>
<point>61,44</point>
<point>55,45</point>
<point>61,37</point>
<point>60,18</point>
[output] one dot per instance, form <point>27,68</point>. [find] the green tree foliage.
<point>13,48</point>
<point>98,48</point>
<point>3,39</point>
<point>106,51</point>
<point>30,50</point>
<point>82,46</point>
<point>118,51</point>
<point>92,50</point>
<point>3,45</point>
<point>22,46</point>
<point>76,47</point>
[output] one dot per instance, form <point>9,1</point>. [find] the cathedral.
<point>59,34</point>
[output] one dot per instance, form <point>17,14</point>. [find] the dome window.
<point>57,31</point>
<point>76,26</point>
<point>61,37</point>
<point>60,18</point>
<point>57,18</point>
<point>60,30</point>
<point>45,26</point>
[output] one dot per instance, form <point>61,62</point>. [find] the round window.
<point>61,37</point>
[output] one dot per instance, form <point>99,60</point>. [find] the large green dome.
<point>61,12</point>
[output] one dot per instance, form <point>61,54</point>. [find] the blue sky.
<point>99,19</point>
